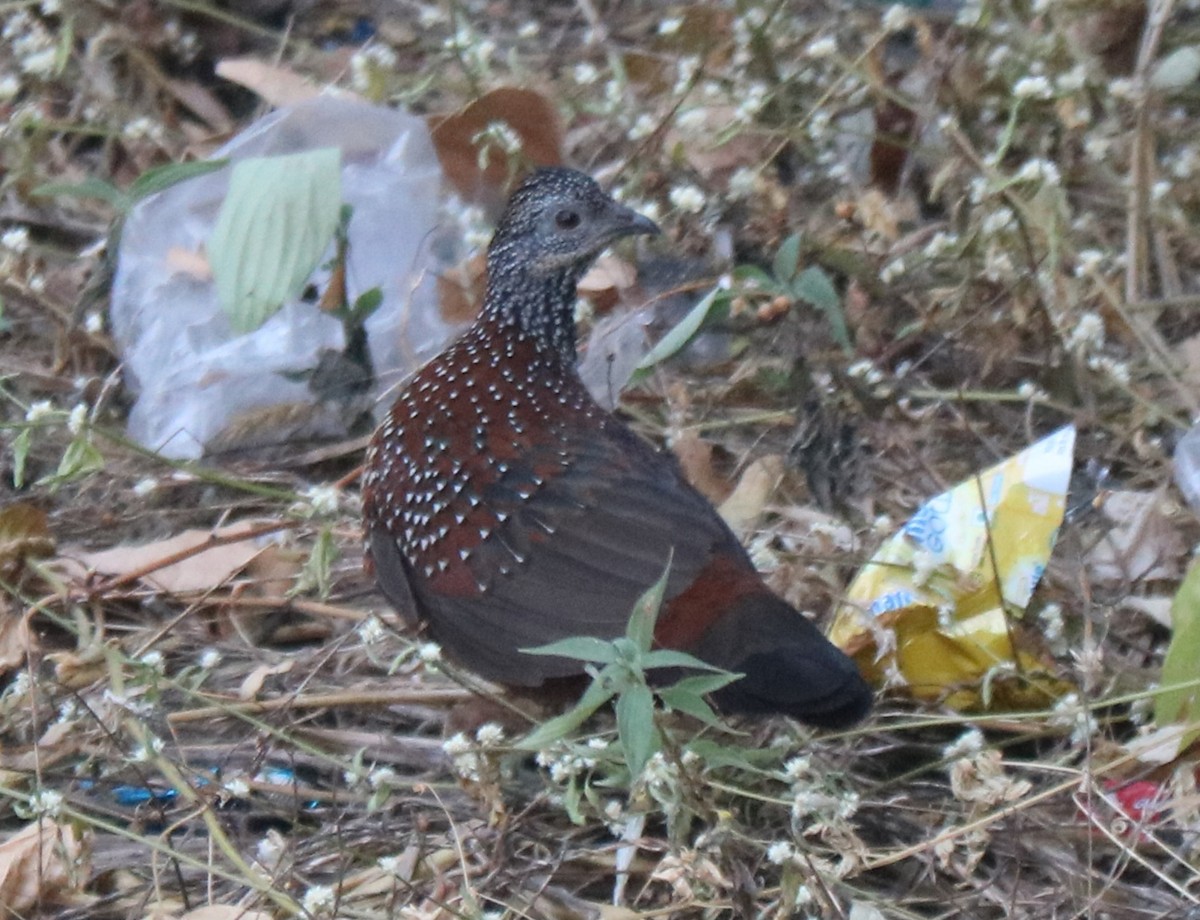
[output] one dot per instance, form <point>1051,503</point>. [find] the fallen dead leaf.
<point>202,571</point>
<point>43,862</point>
<point>24,534</point>
<point>16,639</point>
<point>253,682</point>
<point>695,456</point>
<point>744,507</point>
<point>276,84</point>
<point>191,263</point>
<point>224,912</point>
<point>529,114</point>
<point>1143,544</point>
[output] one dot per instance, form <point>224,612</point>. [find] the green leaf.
<point>752,273</point>
<point>700,684</point>
<point>670,658</point>
<point>275,223</point>
<point>581,648</point>
<point>787,259</point>
<point>681,333</point>
<point>690,704</point>
<point>80,457</point>
<point>91,187</point>
<point>814,287</point>
<point>163,177</point>
<point>1181,704</point>
<point>596,695</point>
<point>20,452</point>
<point>317,573</point>
<point>366,304</point>
<point>635,725</point>
<point>640,630</point>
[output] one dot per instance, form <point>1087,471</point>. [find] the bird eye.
<point>567,219</point>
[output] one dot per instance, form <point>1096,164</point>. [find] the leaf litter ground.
<point>1002,198</point>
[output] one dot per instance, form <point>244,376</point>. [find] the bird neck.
<point>541,309</point>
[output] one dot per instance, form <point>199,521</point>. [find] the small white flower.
<point>269,849</point>
<point>144,127</point>
<point>46,803</point>
<point>318,899</point>
<point>1032,87</point>
<point>382,777</point>
<point>780,852</point>
<point>896,19</point>
<point>209,659</point>
<point>968,743</point>
<point>797,768</point>
<point>692,121</point>
<point>1088,334</point>
<point>1074,79</point>
<point>1160,189</point>
<point>153,660</point>
<point>1124,88</point>
<point>323,500</point>
<point>742,182</point>
<point>529,29</point>
<point>39,410</point>
<point>93,322</point>
<point>144,752</point>
<point>144,487</point>
<point>940,243</point>
<point>489,734</point>
<point>585,73</point>
<point>670,26</point>
<point>15,239</point>
<point>892,271</point>
<point>1027,389</point>
<point>1088,262</point>
<point>687,198</point>
<point>77,419</point>
<point>40,63</point>
<point>822,47</point>
<point>371,630</point>
<point>237,787</point>
<point>643,127</point>
<point>997,221</point>
<point>429,652</point>
<point>1038,170</point>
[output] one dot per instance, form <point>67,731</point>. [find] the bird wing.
<point>574,544</point>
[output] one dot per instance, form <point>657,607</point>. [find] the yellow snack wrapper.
<point>933,604</point>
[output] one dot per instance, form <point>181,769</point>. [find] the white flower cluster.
<point>367,62</point>
<point>31,44</point>
<point>564,762</point>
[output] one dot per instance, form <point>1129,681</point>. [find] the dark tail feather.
<point>789,666</point>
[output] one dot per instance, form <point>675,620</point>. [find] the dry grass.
<point>1025,258</point>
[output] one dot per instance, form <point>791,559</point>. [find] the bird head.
<point>557,222</point>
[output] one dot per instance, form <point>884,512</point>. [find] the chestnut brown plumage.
<point>505,509</point>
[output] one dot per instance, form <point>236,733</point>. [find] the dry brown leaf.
<point>876,213</point>
<point>192,263</point>
<point>224,912</point>
<point>202,571</point>
<point>531,115</point>
<point>275,83</point>
<point>24,534</point>
<point>1143,544</point>
<point>609,273</point>
<point>253,682</point>
<point>203,102</point>
<point>43,862</point>
<point>695,456</point>
<point>744,507</point>
<point>16,639</point>
<point>460,289</point>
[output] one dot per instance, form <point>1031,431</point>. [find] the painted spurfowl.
<point>505,509</point>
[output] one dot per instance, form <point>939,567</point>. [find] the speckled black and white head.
<point>554,226</point>
<point>561,219</point>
